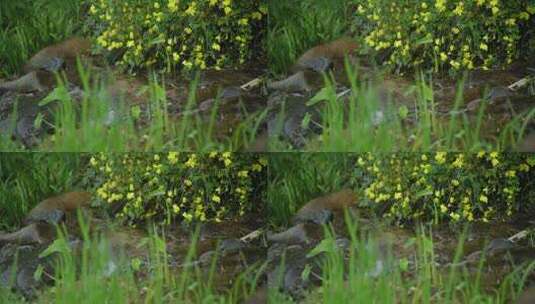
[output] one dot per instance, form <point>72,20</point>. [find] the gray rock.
<point>207,257</point>
<point>318,64</point>
<point>230,246</point>
<point>498,245</point>
<point>294,235</point>
<point>320,217</point>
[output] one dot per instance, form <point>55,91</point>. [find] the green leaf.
<point>325,245</point>
<point>58,246</point>
<point>59,93</point>
<point>424,40</point>
<point>38,273</point>
<point>306,273</point>
<point>404,264</point>
<point>135,111</point>
<point>322,95</point>
<point>423,193</point>
<point>135,264</point>
<point>403,112</point>
<point>38,122</point>
<point>306,121</point>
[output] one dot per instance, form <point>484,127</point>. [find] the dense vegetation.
<point>187,187</point>
<point>409,187</point>
<point>169,34</point>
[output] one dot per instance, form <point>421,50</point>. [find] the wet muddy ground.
<point>230,244</point>
<point>493,89</point>
<point>241,95</point>
<point>236,247</point>
<point>505,247</point>
<point>228,92</point>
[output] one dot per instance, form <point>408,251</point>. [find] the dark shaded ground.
<point>229,243</point>
<point>225,89</point>
<point>504,246</point>
<point>480,88</point>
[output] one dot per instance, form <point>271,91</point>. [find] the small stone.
<point>294,235</point>
<point>230,246</point>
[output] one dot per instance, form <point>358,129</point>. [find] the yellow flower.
<point>510,173</point>
<point>187,216</point>
<point>455,216</point>
<point>257,167</point>
<point>440,5</point>
<point>172,157</point>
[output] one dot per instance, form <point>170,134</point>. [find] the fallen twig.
<point>521,83</point>
<point>251,84</point>
<point>251,236</point>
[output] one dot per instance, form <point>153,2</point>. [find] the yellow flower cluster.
<point>443,34</point>
<point>179,186</point>
<point>171,34</point>
<point>446,186</point>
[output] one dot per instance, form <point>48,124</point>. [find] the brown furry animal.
<point>53,209</point>
<point>319,207</point>
<point>35,81</point>
<point>320,57</point>
<point>36,233</point>
<point>52,58</point>
<point>41,67</point>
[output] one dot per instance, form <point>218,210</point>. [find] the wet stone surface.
<point>294,262</point>
<point>216,90</point>
<point>481,88</point>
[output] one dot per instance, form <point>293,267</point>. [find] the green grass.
<point>346,279</point>
<point>85,126</point>
<point>295,179</point>
<point>27,178</point>
<point>85,277</point>
<point>295,26</point>
<point>27,26</point>
<point>350,126</point>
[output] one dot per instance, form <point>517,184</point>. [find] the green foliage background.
<point>28,178</point>
<point>408,187</point>
<point>26,26</point>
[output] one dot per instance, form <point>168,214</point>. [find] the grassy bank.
<point>355,275</point>
<point>27,178</point>
<point>99,272</point>
<point>28,26</point>
<point>296,26</point>
<point>415,122</point>
<point>99,122</point>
